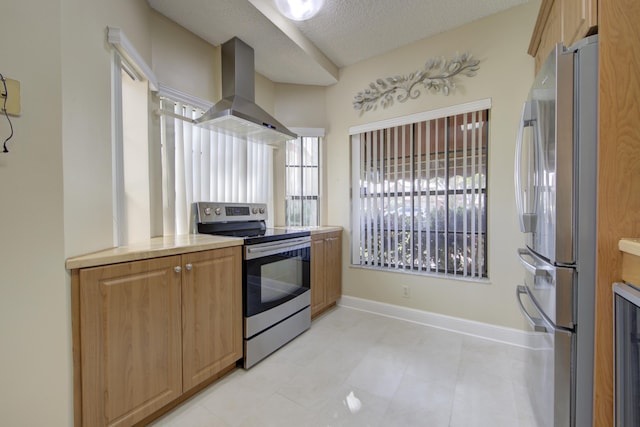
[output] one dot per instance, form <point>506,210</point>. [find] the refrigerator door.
<point>548,368</point>
<point>544,192</point>
<point>552,288</point>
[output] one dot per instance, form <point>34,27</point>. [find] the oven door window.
<point>275,279</point>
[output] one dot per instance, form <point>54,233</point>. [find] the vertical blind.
<point>421,195</point>
<point>202,165</point>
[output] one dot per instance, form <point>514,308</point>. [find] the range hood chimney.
<point>236,113</point>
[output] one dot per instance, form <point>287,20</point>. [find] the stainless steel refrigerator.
<point>555,180</point>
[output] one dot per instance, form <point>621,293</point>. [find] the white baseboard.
<point>487,331</point>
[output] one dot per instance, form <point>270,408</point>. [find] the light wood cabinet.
<point>565,21</point>
<point>333,257</point>
<point>131,351</point>
<point>326,271</point>
<point>146,332</point>
<point>211,314</point>
<point>618,174</point>
<point>318,275</point>
<point>578,19</point>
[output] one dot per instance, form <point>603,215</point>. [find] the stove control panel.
<point>207,212</point>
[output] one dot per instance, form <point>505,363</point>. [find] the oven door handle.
<point>266,249</point>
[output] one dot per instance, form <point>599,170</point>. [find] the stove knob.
<point>262,210</point>
<point>255,210</point>
<point>218,211</point>
<point>207,211</point>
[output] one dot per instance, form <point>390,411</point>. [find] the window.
<point>132,80</point>
<point>135,155</point>
<point>420,195</point>
<point>202,165</point>
<point>302,169</point>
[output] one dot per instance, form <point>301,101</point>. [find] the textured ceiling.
<point>343,33</point>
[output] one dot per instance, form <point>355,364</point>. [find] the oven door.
<point>275,272</point>
<point>627,355</point>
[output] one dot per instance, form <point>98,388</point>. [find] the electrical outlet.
<point>405,291</point>
<point>13,97</point>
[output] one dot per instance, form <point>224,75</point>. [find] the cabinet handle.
<point>177,269</point>
<point>189,266</point>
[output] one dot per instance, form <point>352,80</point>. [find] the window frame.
<point>124,57</point>
<point>318,134</point>
<point>358,226</point>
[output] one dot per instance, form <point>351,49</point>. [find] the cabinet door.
<point>130,329</point>
<point>577,19</point>
<point>318,275</point>
<point>550,33</point>
<point>212,313</point>
<point>333,251</point>
<point>565,21</point>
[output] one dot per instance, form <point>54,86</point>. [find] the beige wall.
<point>86,83</point>
<point>33,299</point>
<point>301,106</point>
<point>506,72</point>
<point>56,183</point>
<point>172,62</point>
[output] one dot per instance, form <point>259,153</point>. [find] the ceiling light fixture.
<point>299,10</point>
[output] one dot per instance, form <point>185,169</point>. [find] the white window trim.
<point>482,104</point>
<point>355,196</point>
<point>185,98</point>
<point>123,55</point>
<point>117,155</point>
<point>308,132</point>
<point>119,41</point>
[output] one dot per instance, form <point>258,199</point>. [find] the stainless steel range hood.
<point>237,113</point>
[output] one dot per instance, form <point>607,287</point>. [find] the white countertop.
<point>315,229</point>
<point>153,248</point>
<point>166,246</point>
<point>630,245</point>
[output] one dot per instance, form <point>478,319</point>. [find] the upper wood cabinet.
<point>147,332</point>
<point>565,21</point>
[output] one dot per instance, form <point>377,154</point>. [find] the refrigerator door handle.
<point>538,323</point>
<point>539,272</point>
<point>518,170</point>
<point>527,219</point>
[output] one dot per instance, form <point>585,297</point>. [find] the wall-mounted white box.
<point>13,98</point>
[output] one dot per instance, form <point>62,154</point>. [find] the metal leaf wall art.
<point>437,75</point>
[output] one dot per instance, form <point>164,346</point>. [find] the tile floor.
<point>354,368</point>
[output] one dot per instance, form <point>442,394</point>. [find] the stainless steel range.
<point>276,274</point>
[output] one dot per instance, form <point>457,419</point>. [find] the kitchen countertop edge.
<point>315,229</point>
<point>153,248</point>
<point>630,246</point>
